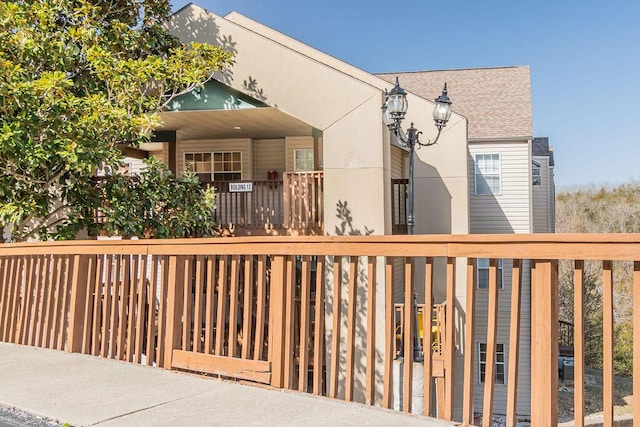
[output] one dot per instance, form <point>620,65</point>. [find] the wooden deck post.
<point>175,300</point>
<point>544,343</point>
<point>79,291</point>
<point>277,320</point>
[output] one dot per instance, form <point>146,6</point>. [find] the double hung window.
<point>487,174</point>
<point>500,364</point>
<point>483,273</point>
<point>216,166</point>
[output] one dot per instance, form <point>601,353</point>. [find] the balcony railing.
<point>262,207</point>
<point>293,204</point>
<point>399,205</point>
<point>242,308</point>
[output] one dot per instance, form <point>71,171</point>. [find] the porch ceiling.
<point>257,123</point>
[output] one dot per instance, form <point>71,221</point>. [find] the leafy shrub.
<point>156,205</point>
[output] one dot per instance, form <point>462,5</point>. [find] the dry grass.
<point>622,400</point>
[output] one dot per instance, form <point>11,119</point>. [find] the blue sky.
<point>584,57</point>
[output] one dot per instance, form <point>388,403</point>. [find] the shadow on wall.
<point>360,266</point>
<point>205,29</point>
<point>346,227</point>
<point>432,201</point>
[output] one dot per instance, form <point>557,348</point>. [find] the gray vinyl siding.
<point>268,155</point>
<point>507,212</point>
<point>542,200</point>
<point>504,313</point>
<point>504,213</point>
<point>218,145</point>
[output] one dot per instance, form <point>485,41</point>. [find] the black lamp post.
<point>393,111</point>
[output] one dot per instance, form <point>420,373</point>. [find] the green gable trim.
<point>214,96</point>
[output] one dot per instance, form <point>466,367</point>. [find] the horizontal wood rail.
<point>301,312</point>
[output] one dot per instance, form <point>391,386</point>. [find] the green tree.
<point>154,205</point>
<point>78,79</point>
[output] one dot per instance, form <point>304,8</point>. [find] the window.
<point>500,365</point>
<point>536,178</point>
<point>303,160</point>
<point>487,174</point>
<point>483,273</point>
<point>217,166</point>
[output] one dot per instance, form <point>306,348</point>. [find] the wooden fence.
<point>301,313</point>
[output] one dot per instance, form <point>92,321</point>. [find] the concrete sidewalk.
<point>84,390</point>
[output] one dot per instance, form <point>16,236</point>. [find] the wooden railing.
<point>399,205</point>
<point>263,207</point>
<point>293,204</point>
<point>303,199</point>
<point>242,308</point>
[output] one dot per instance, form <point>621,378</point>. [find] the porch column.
<point>171,138</point>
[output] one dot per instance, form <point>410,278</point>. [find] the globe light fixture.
<point>393,111</point>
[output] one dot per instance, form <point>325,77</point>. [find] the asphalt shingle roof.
<point>540,147</point>
<point>497,101</point>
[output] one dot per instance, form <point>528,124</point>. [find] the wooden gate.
<point>218,316</point>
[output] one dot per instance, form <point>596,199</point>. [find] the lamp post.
<point>393,110</point>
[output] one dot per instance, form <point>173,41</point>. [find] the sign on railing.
<point>240,187</point>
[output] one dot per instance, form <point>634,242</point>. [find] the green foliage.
<point>623,351</point>
<point>156,205</point>
<point>77,79</point>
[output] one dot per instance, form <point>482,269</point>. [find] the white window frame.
<point>484,173</point>
<point>212,172</point>
<point>536,173</point>
<point>482,363</point>
<point>295,159</point>
<point>483,264</point>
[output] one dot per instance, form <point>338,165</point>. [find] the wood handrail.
<point>524,246</point>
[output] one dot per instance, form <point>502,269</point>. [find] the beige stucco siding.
<point>269,154</point>
<point>243,145</point>
<point>508,211</point>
